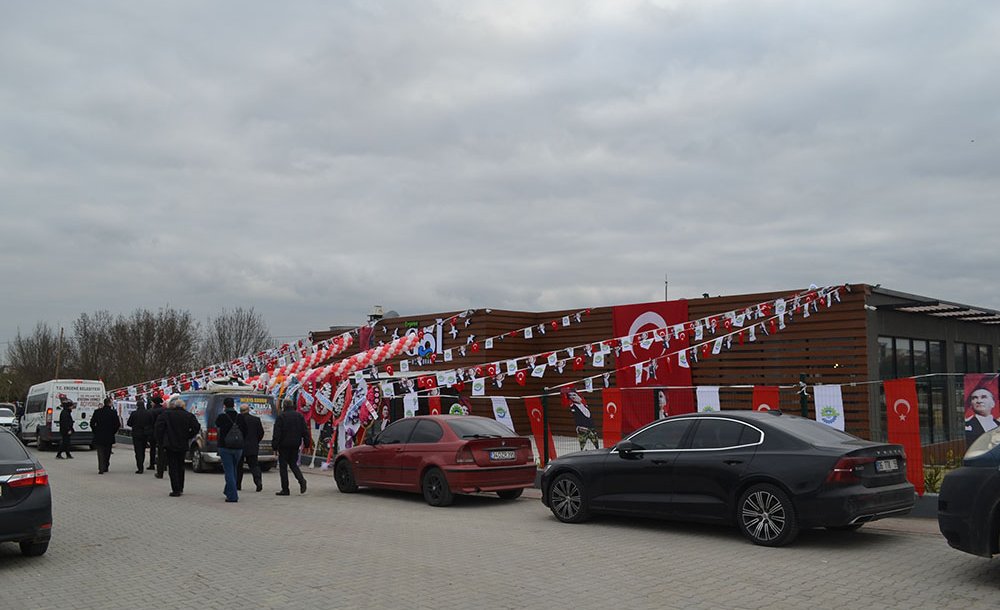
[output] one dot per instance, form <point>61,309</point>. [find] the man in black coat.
<point>105,424</point>
<point>141,423</point>
<point>251,448</point>
<point>154,446</point>
<point>65,426</point>
<point>174,430</point>
<point>290,433</point>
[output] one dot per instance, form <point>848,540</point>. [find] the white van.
<point>40,421</point>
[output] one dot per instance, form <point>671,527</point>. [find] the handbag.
<point>234,438</point>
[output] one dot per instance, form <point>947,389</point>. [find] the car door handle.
<point>661,462</point>
<point>732,462</point>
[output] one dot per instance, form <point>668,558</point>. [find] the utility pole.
<point>59,353</point>
<point>665,285</point>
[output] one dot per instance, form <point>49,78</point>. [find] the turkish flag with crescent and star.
<point>765,398</point>
<point>534,408</point>
<point>611,429</point>
<point>434,405</point>
<point>903,419</point>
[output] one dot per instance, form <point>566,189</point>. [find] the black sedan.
<point>770,473</point>
<point>969,504</point>
<point>25,500</point>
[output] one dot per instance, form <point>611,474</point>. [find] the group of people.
<point>168,431</point>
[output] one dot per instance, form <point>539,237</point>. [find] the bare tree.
<point>34,358</point>
<point>235,333</point>
<point>95,353</point>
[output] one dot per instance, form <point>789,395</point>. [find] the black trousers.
<point>253,464</point>
<point>288,458</point>
<point>65,444</point>
<point>161,464</point>
<point>175,465</point>
<point>103,457</point>
<point>139,445</point>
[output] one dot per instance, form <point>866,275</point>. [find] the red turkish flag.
<point>765,398</point>
<point>637,320</point>
<point>434,405</point>
<point>903,419</point>
<point>612,425</point>
<point>534,408</point>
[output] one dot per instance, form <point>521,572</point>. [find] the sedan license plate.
<point>886,466</point>
<point>502,455</point>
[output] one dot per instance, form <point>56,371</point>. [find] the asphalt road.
<point>120,542</point>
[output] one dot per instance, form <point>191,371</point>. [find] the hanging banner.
<point>582,417</point>
<point>766,398</point>
<point>903,419</point>
<point>612,425</point>
<point>982,410</point>
<point>829,405</point>
<point>434,405</point>
<point>410,404</point>
<point>501,412</point>
<point>534,408</point>
<point>708,399</point>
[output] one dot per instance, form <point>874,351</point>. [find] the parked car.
<point>439,456</point>
<point>8,417</point>
<point>771,474</point>
<point>25,499</point>
<point>969,502</point>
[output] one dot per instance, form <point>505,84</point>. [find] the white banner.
<point>501,412</point>
<point>708,399</point>
<point>410,404</point>
<point>829,405</point>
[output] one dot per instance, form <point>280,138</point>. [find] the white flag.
<point>829,405</point>
<point>501,412</point>
<point>410,405</point>
<point>682,358</point>
<point>708,398</point>
<point>598,359</point>
<point>538,371</point>
<point>512,367</point>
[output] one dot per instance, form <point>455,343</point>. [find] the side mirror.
<point>627,450</point>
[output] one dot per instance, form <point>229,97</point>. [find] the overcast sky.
<point>312,159</point>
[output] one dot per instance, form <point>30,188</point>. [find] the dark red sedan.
<point>440,456</point>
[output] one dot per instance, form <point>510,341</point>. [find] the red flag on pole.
<point>765,398</point>
<point>903,419</point>
<point>612,425</point>
<point>534,408</point>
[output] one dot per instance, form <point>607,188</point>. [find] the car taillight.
<point>35,478</point>
<point>464,456</point>
<point>848,469</point>
<point>212,435</point>
<point>48,416</point>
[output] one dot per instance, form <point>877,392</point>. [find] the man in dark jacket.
<point>290,433</point>
<point>105,424</point>
<point>154,446</point>
<point>173,431</point>
<point>141,424</point>
<point>251,448</point>
<point>231,449</point>
<point>65,426</point>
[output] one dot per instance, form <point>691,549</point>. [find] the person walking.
<point>251,448</point>
<point>290,433</point>
<point>105,424</point>
<point>65,426</point>
<point>231,444</point>
<point>141,423</point>
<point>175,428</point>
<point>154,445</point>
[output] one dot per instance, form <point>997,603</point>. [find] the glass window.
<point>812,431</point>
<point>960,358</point>
<point>886,358</point>
<point>666,434</point>
<point>750,436</point>
<point>921,365</point>
<point>10,448</point>
<point>427,431</point>
<point>5,412</point>
<point>985,366</point>
<point>904,361</point>
<point>715,433</point>
<point>35,404</point>
<point>478,427</point>
<point>937,356</point>
<point>396,432</point>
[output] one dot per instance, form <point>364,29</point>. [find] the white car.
<point>7,417</point>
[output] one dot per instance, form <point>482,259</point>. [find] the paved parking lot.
<point>121,542</point>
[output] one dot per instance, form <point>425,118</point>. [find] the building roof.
<point>911,303</point>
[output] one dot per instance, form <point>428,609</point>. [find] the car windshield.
<point>6,412</point>
<point>476,427</point>
<point>10,447</point>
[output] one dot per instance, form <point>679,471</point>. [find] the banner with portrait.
<point>982,410</point>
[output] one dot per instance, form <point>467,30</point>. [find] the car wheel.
<point>766,516</point>
<point>34,549</point>
<point>198,463</point>
<point>436,490</point>
<point>566,499</point>
<point>845,528</point>
<point>510,494</point>
<point>344,477</point>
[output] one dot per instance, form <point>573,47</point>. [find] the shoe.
<point>302,486</point>
<point>158,476</point>
<point>283,492</point>
<point>228,500</point>
<point>239,488</point>
<point>101,471</point>
<point>139,471</point>
<point>175,494</point>
<point>59,457</point>
<point>259,487</point>
<point>151,466</point>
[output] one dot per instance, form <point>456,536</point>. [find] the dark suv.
<point>25,499</point>
<point>206,406</point>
